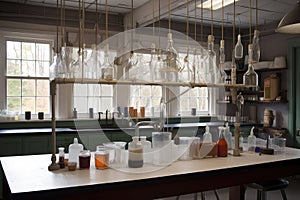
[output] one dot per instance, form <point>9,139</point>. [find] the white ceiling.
<point>269,11</point>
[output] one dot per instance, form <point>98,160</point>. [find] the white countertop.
<point>30,173</point>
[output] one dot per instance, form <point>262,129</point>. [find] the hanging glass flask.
<point>222,61</point>
<point>250,77</point>
<point>211,68</point>
<point>239,48</point>
<point>107,70</point>
<point>256,47</point>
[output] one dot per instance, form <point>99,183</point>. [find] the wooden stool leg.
<point>283,194</point>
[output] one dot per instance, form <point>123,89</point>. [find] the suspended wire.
<point>153,20</point>
<point>195,22</point>
<point>222,19</point>
<point>211,18</point>
<point>187,25</point>
<point>233,26</point>
<point>169,15</point>
<point>106,20</point>
<point>79,32</point>
<point>256,15</point>
<point>159,25</point>
<point>201,23</point>
<point>250,22</point>
<point>57,13</point>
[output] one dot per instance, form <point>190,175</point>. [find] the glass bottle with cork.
<point>222,144</point>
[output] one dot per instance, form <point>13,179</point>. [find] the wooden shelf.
<point>128,82</point>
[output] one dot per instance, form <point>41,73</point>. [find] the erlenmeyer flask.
<point>256,47</point>
<point>250,77</point>
<point>239,48</point>
<point>107,70</point>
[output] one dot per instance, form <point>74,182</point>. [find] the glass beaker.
<point>101,157</point>
<point>84,159</point>
<point>162,148</point>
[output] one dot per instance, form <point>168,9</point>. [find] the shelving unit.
<point>53,83</point>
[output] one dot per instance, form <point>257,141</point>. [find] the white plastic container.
<point>74,150</point>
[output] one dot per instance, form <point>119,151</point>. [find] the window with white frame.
<point>27,75</point>
<point>147,96</point>
<point>98,97</point>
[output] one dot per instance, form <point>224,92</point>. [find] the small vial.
<point>61,154</point>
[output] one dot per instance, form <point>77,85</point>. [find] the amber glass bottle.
<point>222,144</point>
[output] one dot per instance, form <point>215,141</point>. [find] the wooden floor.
<point>292,192</point>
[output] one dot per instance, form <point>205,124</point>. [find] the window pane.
<point>13,68</point>
<point>28,68</point>
<point>184,104</point>
<point>28,51</point>
<point>14,103</point>
<point>42,104</point>
<point>93,90</point>
<point>43,88</point>
<point>80,90</point>
<point>107,90</point>
<point>42,69</point>
<point>28,88</point>
<point>43,52</point>
<point>106,103</point>
<point>13,49</point>
<point>81,104</point>
<point>28,104</point>
<point>13,87</point>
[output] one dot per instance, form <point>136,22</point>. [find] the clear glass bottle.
<point>53,73</point>
<point>239,48</point>
<point>251,140</point>
<point>255,47</point>
<point>228,136</point>
<point>207,137</point>
<point>233,69</point>
<point>101,157</point>
<point>222,61</point>
<point>250,77</point>
<point>211,72</point>
<point>107,70</point>
<point>171,67</point>
<point>135,156</point>
<point>61,157</point>
<point>146,149</point>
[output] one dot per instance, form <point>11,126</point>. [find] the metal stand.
<point>53,166</point>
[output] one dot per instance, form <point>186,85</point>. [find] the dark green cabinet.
<point>293,62</point>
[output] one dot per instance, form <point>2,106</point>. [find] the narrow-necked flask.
<point>212,68</point>
<point>250,77</point>
<point>222,61</point>
<point>256,47</point>
<point>239,48</point>
<point>107,70</point>
<point>207,137</point>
